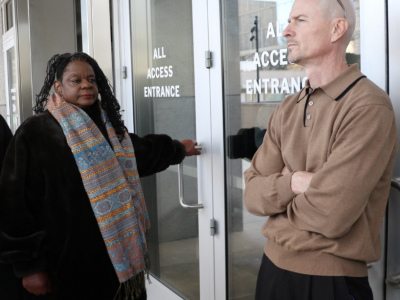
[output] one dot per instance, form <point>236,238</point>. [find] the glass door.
<point>257,78</point>
<point>171,96</point>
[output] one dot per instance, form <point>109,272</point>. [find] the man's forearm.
<point>267,195</point>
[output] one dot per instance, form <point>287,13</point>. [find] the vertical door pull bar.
<point>180,183</point>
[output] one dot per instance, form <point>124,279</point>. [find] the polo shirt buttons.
<point>311,103</point>
<point>308,117</point>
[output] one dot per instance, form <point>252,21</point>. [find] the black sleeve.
<point>21,192</point>
<point>156,152</point>
<point>5,138</point>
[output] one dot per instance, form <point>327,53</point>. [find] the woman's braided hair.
<point>55,70</point>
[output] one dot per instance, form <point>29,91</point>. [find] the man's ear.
<point>57,87</point>
<point>339,29</point>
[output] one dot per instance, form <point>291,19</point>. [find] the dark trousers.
<point>274,283</point>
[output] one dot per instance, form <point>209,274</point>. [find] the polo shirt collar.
<point>339,86</point>
<point>307,90</point>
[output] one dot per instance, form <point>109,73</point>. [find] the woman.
<point>72,213</point>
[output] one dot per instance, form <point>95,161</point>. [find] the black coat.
<point>9,284</point>
<point>46,220</point>
<point>5,138</point>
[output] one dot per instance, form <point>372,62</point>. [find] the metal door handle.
<point>180,183</point>
<point>394,281</point>
<point>396,184</point>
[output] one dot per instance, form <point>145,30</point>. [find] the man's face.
<point>308,34</point>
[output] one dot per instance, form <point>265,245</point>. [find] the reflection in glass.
<point>255,82</point>
<point>9,15</point>
<point>163,65</point>
<point>78,24</point>
<point>12,90</point>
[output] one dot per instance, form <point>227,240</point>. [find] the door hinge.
<point>124,72</point>
<point>208,59</point>
<point>213,227</point>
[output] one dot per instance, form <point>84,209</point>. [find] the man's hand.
<point>301,182</point>
<point>37,283</point>
<point>190,149</point>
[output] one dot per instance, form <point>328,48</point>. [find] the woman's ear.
<point>339,29</point>
<point>57,87</point>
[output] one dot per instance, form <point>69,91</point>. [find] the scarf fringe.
<point>147,257</point>
<point>132,289</point>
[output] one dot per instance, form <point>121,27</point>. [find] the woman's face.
<point>78,85</point>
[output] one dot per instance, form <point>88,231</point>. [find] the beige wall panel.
<point>52,30</point>
<point>101,36</point>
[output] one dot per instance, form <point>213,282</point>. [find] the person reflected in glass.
<point>246,142</point>
<point>5,138</point>
<point>323,172</point>
<point>9,283</point>
<point>73,221</point>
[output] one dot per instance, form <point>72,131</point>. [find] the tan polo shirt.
<point>345,133</point>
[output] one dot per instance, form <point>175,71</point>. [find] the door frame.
<point>122,60</point>
<point>209,133</point>
<point>8,43</point>
<point>393,231</point>
<point>218,149</point>
<point>374,66</point>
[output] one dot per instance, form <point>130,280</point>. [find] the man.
<point>323,172</point>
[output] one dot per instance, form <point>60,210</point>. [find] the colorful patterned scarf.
<point>111,180</point>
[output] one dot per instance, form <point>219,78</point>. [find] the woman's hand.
<point>190,147</point>
<point>37,283</point>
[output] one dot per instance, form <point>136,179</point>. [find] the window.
<point>9,15</point>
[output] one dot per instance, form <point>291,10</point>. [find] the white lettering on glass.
<point>159,53</point>
<point>274,85</point>
<point>271,31</point>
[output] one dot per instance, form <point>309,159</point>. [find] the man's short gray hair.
<point>331,9</point>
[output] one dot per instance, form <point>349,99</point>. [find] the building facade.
<point>208,70</point>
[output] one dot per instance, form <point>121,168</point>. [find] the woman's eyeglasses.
<point>341,4</point>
